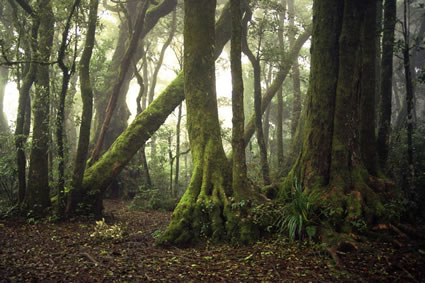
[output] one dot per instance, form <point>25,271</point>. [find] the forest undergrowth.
<point>121,249</point>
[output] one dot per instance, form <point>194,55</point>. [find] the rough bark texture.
<point>74,197</point>
<point>386,81</point>
<point>37,194</point>
<point>205,209</point>
<point>100,174</point>
<point>330,160</point>
<point>368,41</point>
<point>239,169</point>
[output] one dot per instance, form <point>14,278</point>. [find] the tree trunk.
<point>279,125</point>
<point>205,209</point>
<point>60,120</point>
<point>100,174</point>
<point>369,37</point>
<point>178,133</point>
<point>37,196</point>
<point>23,119</point>
<point>239,170</point>
<point>386,81</point>
<point>75,195</point>
<point>296,105</point>
<point>122,72</point>
<point>258,110</point>
<point>4,75</point>
<point>409,93</point>
<point>330,161</point>
<point>119,123</point>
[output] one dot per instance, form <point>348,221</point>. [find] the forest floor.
<point>65,252</point>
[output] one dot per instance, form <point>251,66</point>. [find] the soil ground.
<point>65,252</point>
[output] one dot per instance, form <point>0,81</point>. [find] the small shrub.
<point>103,231</point>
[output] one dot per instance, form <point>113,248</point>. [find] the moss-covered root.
<point>204,219</point>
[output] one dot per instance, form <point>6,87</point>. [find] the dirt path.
<point>65,252</point>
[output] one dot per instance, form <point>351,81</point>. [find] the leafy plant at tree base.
<point>298,217</point>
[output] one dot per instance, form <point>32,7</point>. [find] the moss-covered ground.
<point>65,252</point>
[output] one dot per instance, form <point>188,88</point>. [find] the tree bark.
<point>100,174</point>
<point>330,161</point>
<point>75,196</point>
<point>409,93</point>
<point>37,196</point>
<point>23,119</point>
<point>205,209</point>
<point>296,105</point>
<point>239,170</point>
<point>122,72</point>
<point>118,125</point>
<point>60,120</point>
<point>4,75</point>
<point>178,134</point>
<point>383,141</point>
<point>368,39</point>
<point>258,110</point>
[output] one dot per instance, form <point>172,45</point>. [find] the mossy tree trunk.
<point>205,209</point>
<point>37,194</point>
<point>331,160</point>
<point>99,175</point>
<point>383,141</point>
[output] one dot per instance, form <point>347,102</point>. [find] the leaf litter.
<point>68,252</point>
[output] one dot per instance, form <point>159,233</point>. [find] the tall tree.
<point>37,196</point>
<point>296,105</point>
<point>239,171</point>
<point>258,113</point>
<point>4,74</point>
<point>67,72</point>
<point>74,195</point>
<point>99,175</point>
<point>409,90</point>
<point>205,209</point>
<point>330,161</point>
<point>122,72</point>
<point>390,8</point>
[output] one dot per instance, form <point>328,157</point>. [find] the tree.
<point>386,81</point>
<point>258,113</point>
<point>239,172</point>
<point>74,195</point>
<point>206,207</point>
<point>330,162</point>
<point>37,196</point>
<point>98,176</point>
<point>4,73</point>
